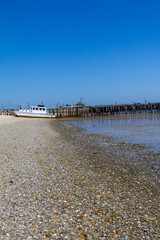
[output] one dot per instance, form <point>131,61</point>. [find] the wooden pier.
<point>6,112</point>
<point>93,111</point>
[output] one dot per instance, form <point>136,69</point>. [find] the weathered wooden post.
<point>91,111</point>
<point>76,111</point>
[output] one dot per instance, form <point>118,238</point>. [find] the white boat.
<point>39,111</point>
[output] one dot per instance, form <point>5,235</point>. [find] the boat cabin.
<point>38,109</point>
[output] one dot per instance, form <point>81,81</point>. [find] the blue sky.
<point>58,51</point>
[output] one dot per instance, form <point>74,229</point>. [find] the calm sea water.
<point>141,129</point>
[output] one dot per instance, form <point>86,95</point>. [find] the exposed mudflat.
<point>58,183</point>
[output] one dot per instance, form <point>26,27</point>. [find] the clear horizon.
<point>58,52</point>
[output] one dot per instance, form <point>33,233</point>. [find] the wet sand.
<point>57,182</point>
<point>134,128</point>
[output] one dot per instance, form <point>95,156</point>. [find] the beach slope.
<point>58,183</point>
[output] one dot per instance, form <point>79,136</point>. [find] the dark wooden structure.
<point>6,112</point>
<point>92,111</point>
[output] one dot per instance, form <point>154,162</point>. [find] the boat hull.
<point>34,115</point>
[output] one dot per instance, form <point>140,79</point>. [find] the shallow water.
<point>141,129</point>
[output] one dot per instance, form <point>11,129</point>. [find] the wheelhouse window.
<point>40,109</point>
<point>36,108</point>
<point>43,109</point>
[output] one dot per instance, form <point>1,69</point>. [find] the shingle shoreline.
<point>59,183</point>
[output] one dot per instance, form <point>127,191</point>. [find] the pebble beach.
<point>57,182</point>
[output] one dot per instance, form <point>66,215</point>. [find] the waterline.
<point>140,129</point>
